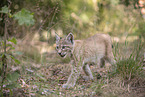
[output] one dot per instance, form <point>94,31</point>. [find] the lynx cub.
<point>97,48</point>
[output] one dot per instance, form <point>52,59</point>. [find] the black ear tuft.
<point>70,38</point>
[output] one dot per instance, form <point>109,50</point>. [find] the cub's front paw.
<point>87,78</point>
<point>66,86</point>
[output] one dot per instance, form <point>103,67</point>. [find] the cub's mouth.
<point>62,54</point>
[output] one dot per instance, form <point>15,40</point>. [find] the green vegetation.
<point>29,65</point>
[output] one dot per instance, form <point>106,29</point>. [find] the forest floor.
<point>43,74</point>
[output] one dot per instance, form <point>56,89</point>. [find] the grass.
<point>130,65</point>
<point>44,76</point>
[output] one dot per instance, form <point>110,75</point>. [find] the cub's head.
<point>64,46</point>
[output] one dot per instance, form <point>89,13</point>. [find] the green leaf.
<point>12,77</point>
<point>1,19</point>
<point>24,17</point>
<point>10,86</point>
<point>10,15</point>
<point>16,61</point>
<point>11,92</point>
<point>9,45</point>
<point>12,48</point>
<point>17,53</point>
<point>13,40</point>
<point>5,9</point>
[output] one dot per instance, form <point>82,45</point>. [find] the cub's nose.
<point>59,53</point>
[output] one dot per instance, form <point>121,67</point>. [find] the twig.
<point>4,59</point>
<point>144,58</point>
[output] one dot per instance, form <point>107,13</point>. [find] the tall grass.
<point>129,64</point>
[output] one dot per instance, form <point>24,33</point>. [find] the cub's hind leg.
<point>88,72</point>
<point>100,62</point>
<point>110,59</point>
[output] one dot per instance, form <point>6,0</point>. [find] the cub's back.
<point>94,45</point>
<point>99,39</point>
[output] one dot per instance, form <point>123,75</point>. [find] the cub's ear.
<point>70,38</point>
<point>57,37</point>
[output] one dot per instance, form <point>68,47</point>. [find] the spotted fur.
<point>96,49</point>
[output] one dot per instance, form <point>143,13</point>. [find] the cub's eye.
<point>63,47</point>
<point>56,47</point>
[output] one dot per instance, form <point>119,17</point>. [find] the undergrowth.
<point>45,77</point>
<point>129,67</point>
